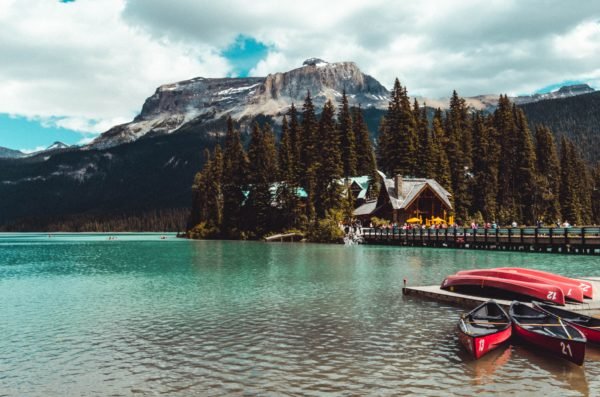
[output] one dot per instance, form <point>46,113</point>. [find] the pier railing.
<point>583,240</point>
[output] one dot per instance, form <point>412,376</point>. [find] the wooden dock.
<point>285,237</point>
<point>589,307</point>
<point>573,240</point>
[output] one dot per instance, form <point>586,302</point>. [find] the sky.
<point>71,69</point>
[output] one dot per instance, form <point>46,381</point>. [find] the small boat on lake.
<point>572,292</point>
<point>547,332</point>
<point>484,328</point>
<point>501,287</point>
<point>589,326</point>
<point>585,286</point>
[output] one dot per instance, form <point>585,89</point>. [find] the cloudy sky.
<point>69,70</point>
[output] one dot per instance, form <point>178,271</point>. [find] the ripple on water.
<point>222,318</point>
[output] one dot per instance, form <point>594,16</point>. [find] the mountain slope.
<point>201,100</point>
<point>577,117</point>
<point>6,153</point>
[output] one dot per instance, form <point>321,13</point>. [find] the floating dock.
<point>590,307</point>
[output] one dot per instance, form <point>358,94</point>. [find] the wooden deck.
<point>580,240</point>
<point>589,307</point>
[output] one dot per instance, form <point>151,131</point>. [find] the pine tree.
<point>330,169</point>
<point>286,190</point>
<point>548,169</point>
<point>504,123</point>
<point>595,196</point>
<point>295,144</point>
<point>347,141</point>
<point>235,170</point>
<point>426,151</point>
<point>263,168</point>
<point>396,148</point>
<point>485,169</point>
<point>441,164</point>
<point>569,200</point>
<point>459,152</point>
<point>308,140</point>
<point>365,155</point>
<point>526,178</point>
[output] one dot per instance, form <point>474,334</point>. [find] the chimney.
<point>398,185</point>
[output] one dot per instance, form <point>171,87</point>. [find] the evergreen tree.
<point>308,140</point>
<point>595,196</point>
<point>263,168</point>
<point>459,152</point>
<point>235,170</point>
<point>504,123</point>
<point>441,163</point>
<point>569,199</point>
<point>397,145</point>
<point>548,169</point>
<point>347,138</point>
<point>365,155</point>
<point>525,178</point>
<point>286,190</point>
<point>330,169</point>
<point>485,169</point>
<point>426,148</point>
<point>295,145</point>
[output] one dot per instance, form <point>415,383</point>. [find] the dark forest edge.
<point>496,168</point>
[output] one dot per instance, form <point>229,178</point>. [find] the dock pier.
<point>590,307</point>
<point>572,240</point>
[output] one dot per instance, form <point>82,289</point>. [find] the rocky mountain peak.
<point>204,99</point>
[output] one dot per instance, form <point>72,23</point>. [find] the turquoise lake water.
<point>84,315</point>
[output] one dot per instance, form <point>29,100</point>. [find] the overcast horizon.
<point>72,69</point>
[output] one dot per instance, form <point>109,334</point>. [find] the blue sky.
<point>70,70</point>
<point>28,134</point>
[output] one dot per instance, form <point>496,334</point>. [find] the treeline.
<point>163,220</point>
<point>576,117</point>
<point>293,184</point>
<point>496,168</point>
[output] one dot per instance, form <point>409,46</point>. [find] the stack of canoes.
<point>525,284</point>
<point>542,326</point>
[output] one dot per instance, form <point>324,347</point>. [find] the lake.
<point>93,315</point>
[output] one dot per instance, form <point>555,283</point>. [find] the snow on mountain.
<point>202,99</point>
<point>6,153</point>
<point>57,145</point>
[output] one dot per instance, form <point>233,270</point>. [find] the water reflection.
<point>221,318</point>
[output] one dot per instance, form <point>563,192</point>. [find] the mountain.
<point>577,117</point>
<point>6,153</point>
<point>138,176</point>
<point>202,100</point>
<point>57,146</point>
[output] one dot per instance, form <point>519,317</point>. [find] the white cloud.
<point>36,149</point>
<point>89,65</point>
<point>81,66</point>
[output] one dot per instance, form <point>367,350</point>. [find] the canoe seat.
<point>498,317</point>
<point>530,316</point>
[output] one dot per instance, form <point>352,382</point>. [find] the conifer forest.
<point>495,165</point>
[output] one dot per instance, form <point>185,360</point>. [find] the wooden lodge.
<point>407,200</point>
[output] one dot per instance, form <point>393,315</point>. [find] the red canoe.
<point>547,332</point>
<point>589,326</point>
<point>585,286</point>
<point>484,328</point>
<point>478,284</point>
<point>571,292</point>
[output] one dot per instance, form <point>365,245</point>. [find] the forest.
<point>495,166</point>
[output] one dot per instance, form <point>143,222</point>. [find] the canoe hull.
<point>572,292</point>
<point>478,346</point>
<point>585,286</point>
<point>570,350</point>
<point>547,332</point>
<point>537,291</point>
<point>586,324</point>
